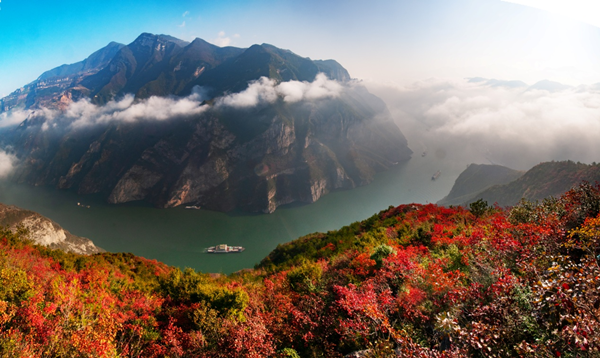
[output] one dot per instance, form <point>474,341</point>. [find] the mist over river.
<point>179,236</point>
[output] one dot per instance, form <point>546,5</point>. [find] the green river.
<point>179,236</point>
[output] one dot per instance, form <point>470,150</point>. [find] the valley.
<point>178,236</point>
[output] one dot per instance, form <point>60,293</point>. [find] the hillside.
<point>43,231</point>
<point>542,181</point>
<point>411,281</point>
<point>176,123</point>
<point>475,179</point>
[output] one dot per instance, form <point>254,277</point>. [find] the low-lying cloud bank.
<point>7,163</point>
<point>266,91</point>
<point>498,122</point>
<point>263,91</point>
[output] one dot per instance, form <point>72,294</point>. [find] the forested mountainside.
<point>176,123</point>
<point>475,179</point>
<point>542,181</point>
<point>411,281</point>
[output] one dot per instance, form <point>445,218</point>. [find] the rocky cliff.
<point>318,133</point>
<point>44,231</point>
<point>255,159</point>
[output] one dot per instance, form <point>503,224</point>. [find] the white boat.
<point>224,249</point>
<point>195,207</point>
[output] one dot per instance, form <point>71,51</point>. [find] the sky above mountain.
<point>384,41</point>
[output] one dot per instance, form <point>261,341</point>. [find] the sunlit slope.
<point>413,280</point>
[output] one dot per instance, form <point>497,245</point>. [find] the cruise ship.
<point>224,249</point>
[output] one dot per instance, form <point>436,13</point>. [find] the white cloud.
<point>186,13</point>
<point>477,122</point>
<point>222,40</point>
<point>261,91</point>
<point>7,163</point>
<point>12,118</point>
<point>182,24</point>
<point>84,113</point>
<point>266,90</point>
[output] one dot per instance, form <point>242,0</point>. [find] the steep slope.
<point>255,159</point>
<point>44,231</point>
<point>161,65</point>
<point>256,156</point>
<point>542,181</point>
<point>61,85</point>
<point>475,179</point>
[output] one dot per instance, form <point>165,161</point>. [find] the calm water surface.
<point>179,236</point>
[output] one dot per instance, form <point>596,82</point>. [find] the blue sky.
<point>394,41</point>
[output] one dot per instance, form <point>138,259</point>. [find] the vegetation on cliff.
<point>412,280</point>
<point>543,180</point>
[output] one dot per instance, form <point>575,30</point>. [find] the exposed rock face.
<point>44,231</point>
<point>255,159</point>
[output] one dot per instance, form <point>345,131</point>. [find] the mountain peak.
<point>148,39</point>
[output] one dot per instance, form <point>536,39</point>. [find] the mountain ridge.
<point>542,181</point>
<point>329,134</point>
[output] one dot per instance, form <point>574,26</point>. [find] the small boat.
<point>224,249</point>
<point>195,207</point>
<point>436,175</point>
<point>424,154</point>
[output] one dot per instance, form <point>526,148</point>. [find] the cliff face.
<point>255,159</point>
<point>44,231</point>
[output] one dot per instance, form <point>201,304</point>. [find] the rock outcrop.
<point>44,231</point>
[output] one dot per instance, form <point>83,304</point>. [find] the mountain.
<point>255,157</point>
<point>475,179</point>
<point>542,181</point>
<point>161,65</point>
<point>498,83</point>
<point>43,231</point>
<point>547,85</point>
<point>61,84</point>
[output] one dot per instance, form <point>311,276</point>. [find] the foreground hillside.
<point>414,280</point>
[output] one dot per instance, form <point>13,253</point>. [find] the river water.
<point>179,236</point>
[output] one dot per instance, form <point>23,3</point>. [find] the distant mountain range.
<point>543,85</point>
<point>255,157</point>
<point>506,187</point>
<point>161,65</point>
